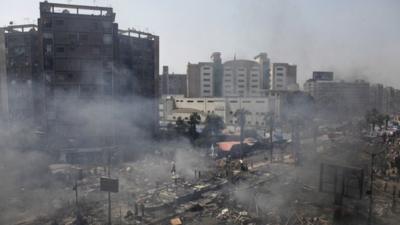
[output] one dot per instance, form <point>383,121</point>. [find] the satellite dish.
<point>65,11</point>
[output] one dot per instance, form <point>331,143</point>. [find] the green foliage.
<point>374,118</point>
<point>181,126</point>
<point>214,124</point>
<point>194,120</point>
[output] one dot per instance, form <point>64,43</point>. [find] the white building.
<point>206,80</point>
<point>257,107</point>
<point>234,78</point>
<point>242,78</point>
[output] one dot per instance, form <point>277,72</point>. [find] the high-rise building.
<point>172,84</point>
<point>217,74</point>
<point>284,77</point>
<point>236,77</point>
<point>79,77</point>
<point>78,47</point>
<point>264,62</point>
<point>322,75</point>
<point>335,98</point>
<point>242,78</point>
<point>21,77</point>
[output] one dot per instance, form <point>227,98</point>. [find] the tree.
<point>213,125</point>
<point>270,123</point>
<point>372,118</point>
<point>386,118</point>
<point>194,120</point>
<point>240,114</point>
<point>180,126</point>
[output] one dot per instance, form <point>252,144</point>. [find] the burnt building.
<point>94,76</point>
<point>77,46</point>
<point>136,81</point>
<point>21,75</point>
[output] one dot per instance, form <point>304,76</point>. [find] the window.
<point>59,22</point>
<point>279,74</point>
<point>254,86</point>
<point>240,81</point>
<point>206,74</point>
<point>83,37</point>
<point>206,79</point>
<point>206,85</point>
<point>60,49</point>
<point>206,91</point>
<point>241,86</point>
<point>228,74</point>
<point>107,39</point>
<point>190,101</point>
<point>206,68</point>
<point>200,101</point>
<point>279,69</point>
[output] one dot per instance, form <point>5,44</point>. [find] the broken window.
<point>59,22</point>
<point>107,39</point>
<point>60,49</point>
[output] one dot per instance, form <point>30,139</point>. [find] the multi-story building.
<point>172,84</point>
<point>22,75</point>
<point>257,108</point>
<point>339,97</point>
<point>322,75</point>
<point>376,92</point>
<point>284,77</point>
<point>78,64</point>
<point>245,78</point>
<point>136,83</point>
<point>265,64</point>
<point>242,78</point>
<point>86,82</point>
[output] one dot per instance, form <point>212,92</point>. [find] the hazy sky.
<point>353,38</point>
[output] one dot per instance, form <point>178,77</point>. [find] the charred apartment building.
<point>21,75</point>
<point>85,70</point>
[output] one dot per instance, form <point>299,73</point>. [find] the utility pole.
<point>242,122</point>
<point>109,193</point>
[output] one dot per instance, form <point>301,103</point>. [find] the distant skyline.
<point>353,38</point>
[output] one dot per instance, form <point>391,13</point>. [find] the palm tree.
<point>386,118</point>
<point>240,114</point>
<point>180,126</point>
<point>270,123</point>
<point>372,118</point>
<point>213,124</point>
<point>194,120</point>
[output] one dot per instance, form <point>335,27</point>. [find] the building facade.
<point>338,97</point>
<point>241,78</point>
<point>22,75</point>
<point>284,77</point>
<point>172,84</point>
<point>173,107</point>
<point>80,78</point>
